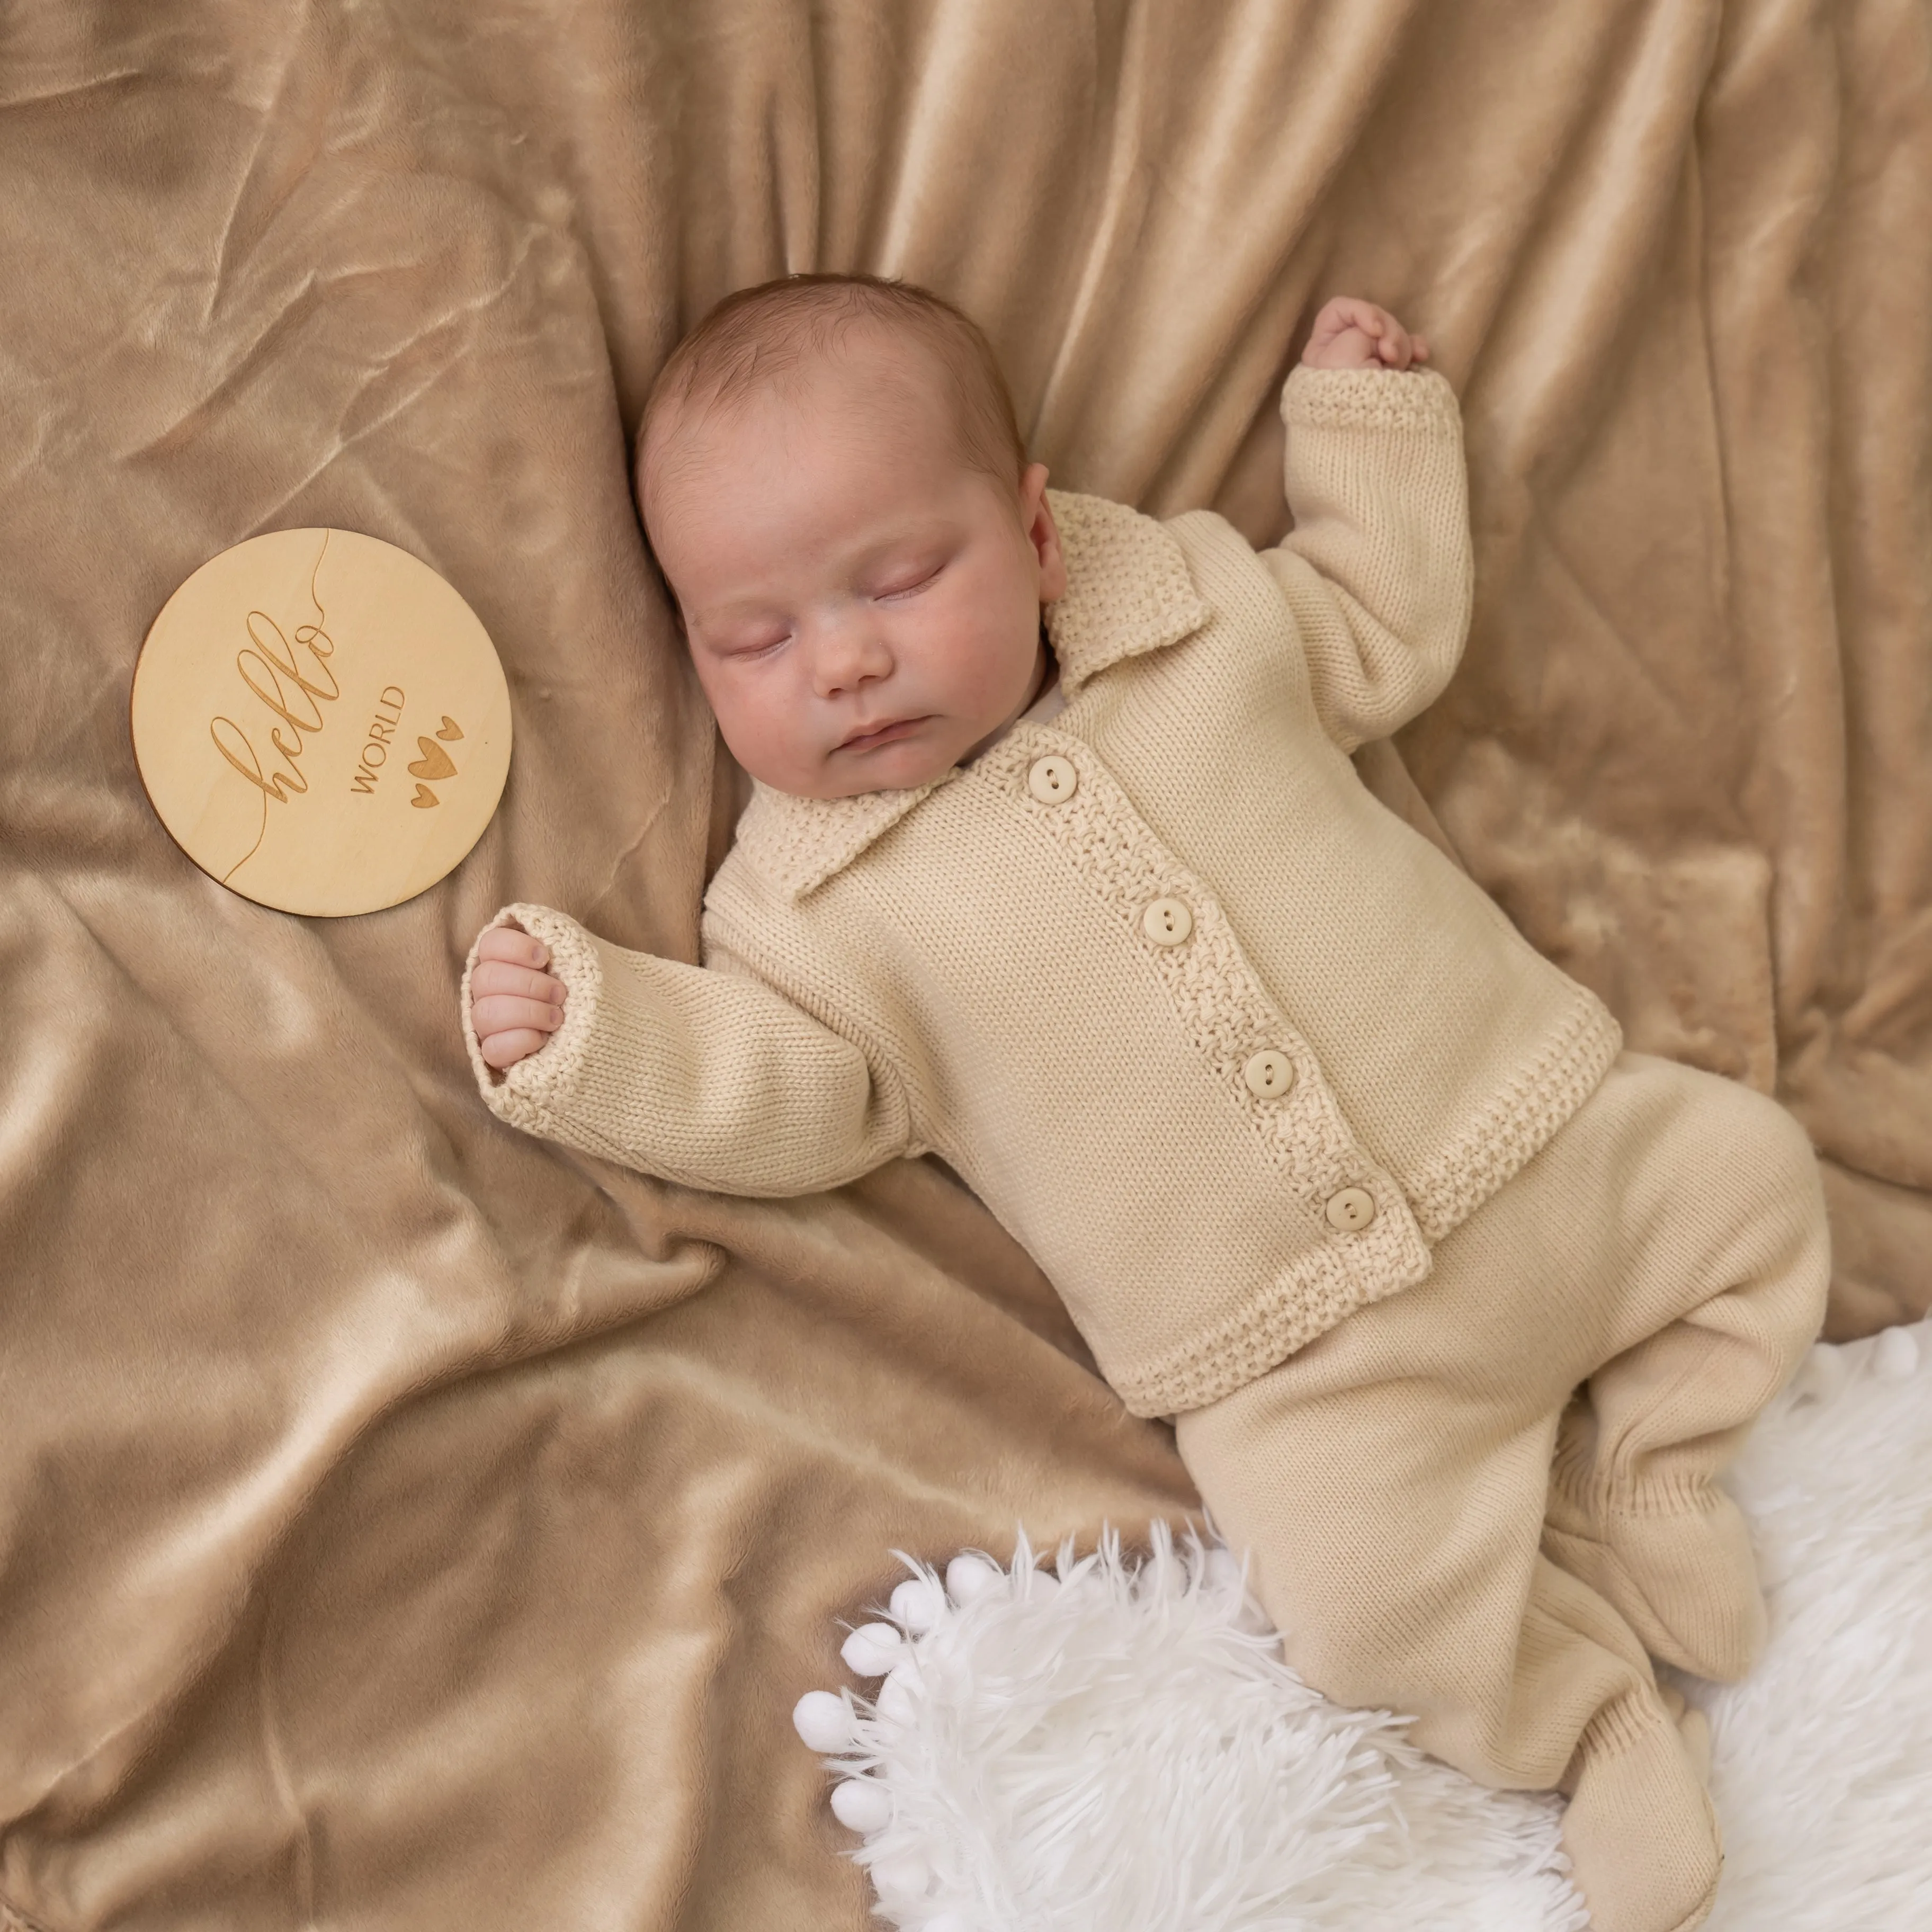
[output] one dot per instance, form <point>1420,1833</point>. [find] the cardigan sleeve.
<point>1377,572</point>
<point>704,1076</point>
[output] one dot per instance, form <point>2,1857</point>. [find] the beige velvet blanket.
<point>407,1525</point>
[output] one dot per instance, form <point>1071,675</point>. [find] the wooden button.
<point>1168,922</point>
<point>1270,1074</point>
<point>1351,1210</point>
<point>1052,780</point>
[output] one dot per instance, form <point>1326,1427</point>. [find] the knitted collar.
<point>1128,592</point>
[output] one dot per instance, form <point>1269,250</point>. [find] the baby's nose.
<point>847,659</point>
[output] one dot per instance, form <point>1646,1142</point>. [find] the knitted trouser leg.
<point>1390,1480</point>
<point>1724,1263</point>
<point>1396,1547</point>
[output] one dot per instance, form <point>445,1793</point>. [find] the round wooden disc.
<point>321,722</point>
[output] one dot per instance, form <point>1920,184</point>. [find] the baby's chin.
<point>902,766</point>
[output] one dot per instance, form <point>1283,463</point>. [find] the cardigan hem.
<point>1317,1292</point>
<point>1518,1121</point>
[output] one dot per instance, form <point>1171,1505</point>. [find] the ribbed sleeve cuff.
<point>534,1093</point>
<point>1417,401</point>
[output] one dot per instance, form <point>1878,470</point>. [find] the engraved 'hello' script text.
<point>272,671</point>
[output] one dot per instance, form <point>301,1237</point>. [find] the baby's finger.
<point>1338,315</point>
<point>498,975</point>
<point>1364,316</point>
<point>513,946</point>
<point>504,1049</point>
<point>1419,347</point>
<point>505,1012</point>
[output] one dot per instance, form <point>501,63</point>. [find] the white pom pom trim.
<point>863,1805</point>
<point>919,1602</point>
<point>823,1720</point>
<point>970,1576</point>
<point>872,1649</point>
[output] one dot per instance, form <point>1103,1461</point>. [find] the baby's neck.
<point>1045,674</point>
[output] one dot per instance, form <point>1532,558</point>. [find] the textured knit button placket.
<point>1269,1075</point>
<point>1350,1211</point>
<point>1053,780</point>
<point>1168,922</point>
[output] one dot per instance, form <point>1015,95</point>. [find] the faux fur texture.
<point>1120,1745</point>
<point>1822,1759</point>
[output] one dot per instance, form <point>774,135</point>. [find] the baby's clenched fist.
<point>1350,333</point>
<point>514,1005</point>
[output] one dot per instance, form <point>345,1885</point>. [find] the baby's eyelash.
<point>904,589</point>
<point>760,650</point>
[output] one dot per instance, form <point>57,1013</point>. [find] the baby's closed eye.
<point>905,583</point>
<point>756,644</point>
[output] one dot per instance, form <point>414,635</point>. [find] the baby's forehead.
<point>873,379</point>
<point>799,373</point>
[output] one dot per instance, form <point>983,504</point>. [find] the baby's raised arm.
<point>515,1006</point>
<point>1377,569</point>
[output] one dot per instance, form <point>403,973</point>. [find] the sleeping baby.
<point>1056,867</point>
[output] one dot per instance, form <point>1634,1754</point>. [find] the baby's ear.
<point>1043,533</point>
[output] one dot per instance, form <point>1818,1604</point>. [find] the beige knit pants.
<point>1436,1525</point>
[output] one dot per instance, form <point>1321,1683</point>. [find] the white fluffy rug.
<point>1120,1747</point>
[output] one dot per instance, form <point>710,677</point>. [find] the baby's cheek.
<point>759,720</point>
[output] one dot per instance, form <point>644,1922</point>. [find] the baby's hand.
<point>1351,333</point>
<point>514,1005</point>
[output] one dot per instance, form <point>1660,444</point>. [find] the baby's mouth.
<point>880,734</point>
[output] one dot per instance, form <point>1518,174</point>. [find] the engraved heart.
<point>450,729</point>
<point>434,763</point>
<point>424,799</point>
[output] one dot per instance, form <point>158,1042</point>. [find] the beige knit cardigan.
<point>1221,1040</point>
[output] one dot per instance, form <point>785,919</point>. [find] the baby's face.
<point>863,608</point>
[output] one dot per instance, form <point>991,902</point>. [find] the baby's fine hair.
<point>760,335</point>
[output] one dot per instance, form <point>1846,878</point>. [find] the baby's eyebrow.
<point>735,611</point>
<point>903,548</point>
